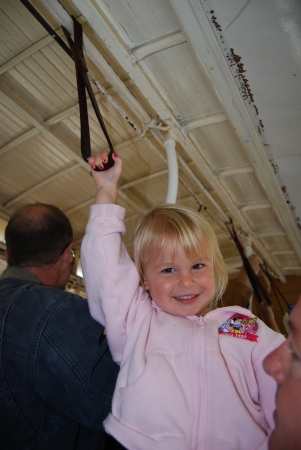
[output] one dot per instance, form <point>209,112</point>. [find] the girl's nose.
<point>277,363</point>
<point>186,279</point>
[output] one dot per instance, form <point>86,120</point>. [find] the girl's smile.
<point>178,283</point>
<point>186,298</point>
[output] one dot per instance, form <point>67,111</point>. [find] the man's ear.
<point>6,255</point>
<point>66,255</point>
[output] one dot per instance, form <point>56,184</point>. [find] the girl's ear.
<point>145,283</point>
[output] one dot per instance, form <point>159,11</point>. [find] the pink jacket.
<point>182,385</point>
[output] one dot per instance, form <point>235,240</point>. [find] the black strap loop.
<point>83,84</point>
<point>76,53</point>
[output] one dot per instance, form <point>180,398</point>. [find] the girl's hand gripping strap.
<point>83,83</point>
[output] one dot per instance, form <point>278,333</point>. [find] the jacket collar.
<point>21,274</point>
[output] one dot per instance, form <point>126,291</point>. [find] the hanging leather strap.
<point>259,290</point>
<point>275,289</point>
<point>83,84</point>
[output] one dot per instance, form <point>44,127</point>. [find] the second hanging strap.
<point>258,289</point>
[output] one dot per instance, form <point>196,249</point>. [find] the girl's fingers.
<point>98,160</point>
<point>91,162</point>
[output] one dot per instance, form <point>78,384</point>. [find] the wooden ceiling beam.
<point>42,183</point>
<point>56,118</point>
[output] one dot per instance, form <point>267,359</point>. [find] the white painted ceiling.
<point>223,76</point>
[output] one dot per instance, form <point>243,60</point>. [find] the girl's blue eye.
<point>168,270</point>
<point>198,266</point>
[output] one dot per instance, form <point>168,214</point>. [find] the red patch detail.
<point>240,326</point>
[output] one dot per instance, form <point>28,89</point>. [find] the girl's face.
<point>179,284</point>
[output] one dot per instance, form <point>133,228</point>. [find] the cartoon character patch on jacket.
<point>240,326</point>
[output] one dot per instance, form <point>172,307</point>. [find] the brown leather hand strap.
<point>83,84</point>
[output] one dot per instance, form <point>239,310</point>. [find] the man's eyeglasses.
<point>72,254</point>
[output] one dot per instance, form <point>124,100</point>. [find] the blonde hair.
<point>176,224</point>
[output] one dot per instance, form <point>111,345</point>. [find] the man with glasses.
<point>284,365</point>
<point>57,375</point>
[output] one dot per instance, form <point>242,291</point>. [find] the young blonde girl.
<point>190,377</point>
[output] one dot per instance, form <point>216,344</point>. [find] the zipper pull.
<point>202,321</point>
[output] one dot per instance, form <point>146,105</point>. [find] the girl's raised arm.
<point>111,278</point>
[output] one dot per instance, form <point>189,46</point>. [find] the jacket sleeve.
<point>269,340</point>
<point>71,370</point>
<point>112,283</point>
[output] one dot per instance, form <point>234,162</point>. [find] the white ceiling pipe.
<point>248,248</point>
<point>173,177</point>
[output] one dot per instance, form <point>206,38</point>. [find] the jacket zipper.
<point>201,444</point>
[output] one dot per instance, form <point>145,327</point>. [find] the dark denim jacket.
<point>56,380</point>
